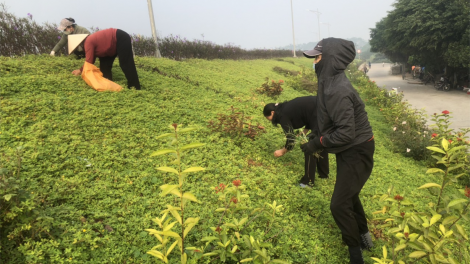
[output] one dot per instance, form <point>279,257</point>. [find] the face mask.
<point>67,33</point>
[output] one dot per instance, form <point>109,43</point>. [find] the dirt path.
<point>425,97</point>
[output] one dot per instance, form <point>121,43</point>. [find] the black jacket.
<point>342,119</point>
<point>298,113</point>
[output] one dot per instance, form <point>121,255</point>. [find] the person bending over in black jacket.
<point>297,113</point>
<point>344,129</point>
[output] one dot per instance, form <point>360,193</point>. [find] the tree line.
<point>430,33</point>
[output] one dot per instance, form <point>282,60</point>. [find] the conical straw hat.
<point>75,40</point>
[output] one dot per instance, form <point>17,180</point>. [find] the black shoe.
<point>366,241</point>
<point>355,255</point>
<point>323,177</point>
<point>305,180</point>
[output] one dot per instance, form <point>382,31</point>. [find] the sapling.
<point>174,216</point>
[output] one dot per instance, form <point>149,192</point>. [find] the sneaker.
<point>366,241</point>
<point>304,185</point>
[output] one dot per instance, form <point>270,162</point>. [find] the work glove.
<point>312,146</point>
<point>52,53</point>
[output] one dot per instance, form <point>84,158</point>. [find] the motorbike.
<point>443,84</point>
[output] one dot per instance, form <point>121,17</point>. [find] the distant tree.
<point>431,33</point>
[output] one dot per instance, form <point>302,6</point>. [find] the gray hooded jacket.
<point>342,119</point>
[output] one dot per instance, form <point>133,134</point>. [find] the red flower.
<point>402,214</point>
<point>445,112</point>
<point>433,135</point>
<point>218,229</point>
<point>467,191</point>
<point>197,250</point>
<point>175,125</point>
<point>450,141</point>
<point>459,139</point>
<point>237,182</point>
<point>406,235</point>
<point>380,109</point>
<point>220,188</point>
<point>398,197</point>
<point>234,200</point>
<point>281,81</point>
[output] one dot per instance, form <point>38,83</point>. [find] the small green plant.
<point>234,237</point>
<point>174,216</point>
<point>433,234</point>
<point>236,124</point>
<point>272,89</point>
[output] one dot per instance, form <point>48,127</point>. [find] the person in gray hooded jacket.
<point>344,130</point>
<point>67,27</point>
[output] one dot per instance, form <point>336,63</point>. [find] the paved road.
<point>425,97</point>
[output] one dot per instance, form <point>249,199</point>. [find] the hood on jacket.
<point>337,54</point>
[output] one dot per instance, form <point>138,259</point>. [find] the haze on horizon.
<point>245,23</point>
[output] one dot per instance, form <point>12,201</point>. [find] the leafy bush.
<point>231,239</point>
<point>272,89</point>
<point>306,80</point>
<point>235,124</point>
<point>22,36</point>
<point>433,232</point>
<point>285,72</point>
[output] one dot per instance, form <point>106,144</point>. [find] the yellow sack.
<point>94,77</point>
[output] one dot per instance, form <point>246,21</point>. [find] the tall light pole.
<point>154,32</point>
<point>318,16</point>
<point>328,24</point>
<point>293,34</point>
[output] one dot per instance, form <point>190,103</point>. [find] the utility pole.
<point>154,32</point>
<point>318,16</point>
<point>293,34</point>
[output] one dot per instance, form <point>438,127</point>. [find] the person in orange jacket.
<point>106,45</point>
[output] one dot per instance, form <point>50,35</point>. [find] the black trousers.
<point>311,164</point>
<point>354,167</point>
<point>126,60</point>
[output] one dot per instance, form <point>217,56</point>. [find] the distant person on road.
<point>344,130</point>
<point>298,113</point>
<point>106,45</point>
<point>369,65</point>
<point>365,68</point>
<point>383,64</point>
<point>68,27</point>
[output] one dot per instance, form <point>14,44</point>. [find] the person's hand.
<point>77,72</point>
<point>280,152</point>
<point>52,53</point>
<point>312,146</point>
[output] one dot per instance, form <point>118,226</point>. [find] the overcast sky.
<point>245,23</point>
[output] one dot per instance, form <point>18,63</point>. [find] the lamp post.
<point>154,32</point>
<point>359,52</point>
<point>318,16</point>
<point>293,35</point>
<point>328,24</point>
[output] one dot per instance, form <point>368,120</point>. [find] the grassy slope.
<point>61,122</point>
